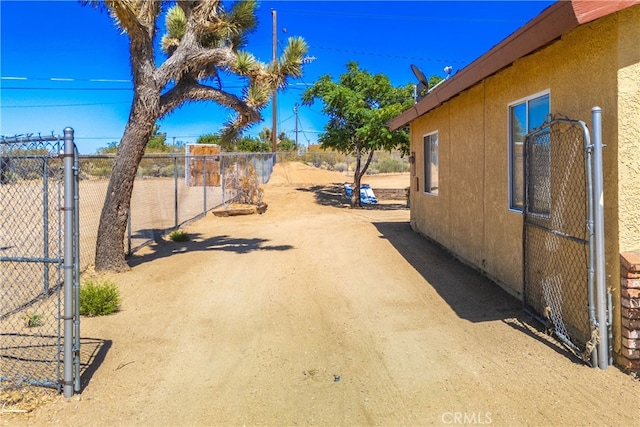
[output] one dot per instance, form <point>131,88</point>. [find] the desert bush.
<point>156,166</point>
<point>100,171</point>
<point>99,298</point>
<point>341,167</point>
<point>96,167</point>
<point>179,236</point>
<point>33,320</point>
<point>391,165</point>
<point>167,171</point>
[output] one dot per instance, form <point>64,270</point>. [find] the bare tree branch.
<point>187,91</point>
<point>189,57</point>
<point>125,12</point>
<point>205,17</point>
<point>148,14</point>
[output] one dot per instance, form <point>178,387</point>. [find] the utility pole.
<point>295,109</point>
<point>274,130</point>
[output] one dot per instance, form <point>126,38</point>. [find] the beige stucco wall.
<point>628,146</point>
<point>595,64</point>
<point>432,206</point>
<point>629,129</point>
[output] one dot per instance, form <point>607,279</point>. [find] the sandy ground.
<point>317,314</point>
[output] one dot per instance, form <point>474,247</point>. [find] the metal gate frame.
<point>548,282</point>
<point>65,261</point>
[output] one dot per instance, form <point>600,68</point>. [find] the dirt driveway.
<point>316,314</point>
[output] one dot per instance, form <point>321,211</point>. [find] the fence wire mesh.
<point>556,235</point>
<point>242,177</point>
<point>169,191</point>
<point>31,261</point>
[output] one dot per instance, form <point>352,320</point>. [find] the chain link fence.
<point>556,234</point>
<point>168,193</point>
<point>33,217</point>
<point>172,190</point>
<point>37,254</point>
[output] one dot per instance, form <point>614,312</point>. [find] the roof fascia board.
<point>590,10</point>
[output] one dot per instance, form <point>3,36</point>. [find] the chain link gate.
<point>39,272</point>
<point>242,175</point>
<point>558,265</point>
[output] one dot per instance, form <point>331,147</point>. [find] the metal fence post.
<point>175,191</point>
<point>222,180</point>
<point>68,262</point>
<point>76,267</point>
<point>591,273</point>
<point>598,197</point>
<point>204,184</point>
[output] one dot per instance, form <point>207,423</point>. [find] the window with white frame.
<point>430,142</point>
<point>524,116</point>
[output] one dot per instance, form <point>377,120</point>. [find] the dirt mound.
<point>298,173</point>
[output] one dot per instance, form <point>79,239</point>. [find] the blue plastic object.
<point>366,194</point>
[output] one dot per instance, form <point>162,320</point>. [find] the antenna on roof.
<point>422,88</point>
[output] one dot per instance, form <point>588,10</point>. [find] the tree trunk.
<point>115,211</point>
<point>355,187</point>
<point>356,202</point>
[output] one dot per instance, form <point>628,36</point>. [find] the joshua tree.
<point>203,44</point>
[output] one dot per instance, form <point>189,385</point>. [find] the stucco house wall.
<point>595,64</point>
<point>629,129</point>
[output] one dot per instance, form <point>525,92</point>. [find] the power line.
<point>417,17</point>
<point>63,105</point>
<point>386,55</point>
<point>102,89</point>
<point>120,137</point>
<point>67,79</point>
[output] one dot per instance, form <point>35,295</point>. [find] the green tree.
<point>111,148</point>
<point>285,143</point>
<point>209,138</point>
<point>359,106</point>
<point>157,142</point>
<point>253,145</point>
<point>203,43</point>
<point>265,134</point>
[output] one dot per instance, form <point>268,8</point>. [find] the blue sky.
<point>62,64</point>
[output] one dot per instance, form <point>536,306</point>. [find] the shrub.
<point>33,320</point>
<point>99,299</point>
<point>167,171</point>
<point>98,168</point>
<point>179,236</point>
<point>391,165</point>
<point>341,167</point>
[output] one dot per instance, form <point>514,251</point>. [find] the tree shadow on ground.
<point>472,296</point>
<point>333,195</point>
<point>162,248</point>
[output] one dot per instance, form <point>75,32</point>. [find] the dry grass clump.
<point>17,400</point>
